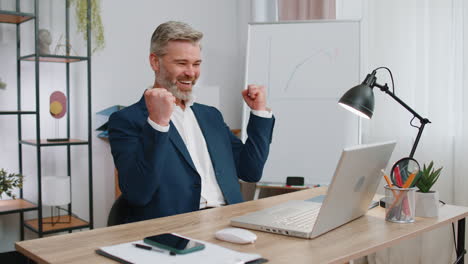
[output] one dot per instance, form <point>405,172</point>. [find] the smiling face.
<point>179,69</point>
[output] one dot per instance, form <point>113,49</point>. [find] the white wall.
<point>120,73</point>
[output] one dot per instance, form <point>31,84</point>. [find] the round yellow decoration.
<point>55,108</point>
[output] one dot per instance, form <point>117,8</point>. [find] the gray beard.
<point>183,96</point>
<point>176,92</point>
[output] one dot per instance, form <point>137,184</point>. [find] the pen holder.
<point>399,204</point>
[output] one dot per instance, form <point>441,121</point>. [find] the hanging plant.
<point>97,29</point>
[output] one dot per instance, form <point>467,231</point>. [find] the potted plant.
<point>427,200</point>
<point>9,181</point>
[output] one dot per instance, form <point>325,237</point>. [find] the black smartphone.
<point>174,243</point>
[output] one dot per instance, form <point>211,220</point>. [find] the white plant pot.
<point>427,204</point>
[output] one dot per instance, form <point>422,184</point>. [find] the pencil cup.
<point>399,204</point>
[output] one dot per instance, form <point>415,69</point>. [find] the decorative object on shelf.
<point>2,84</point>
<point>57,108</point>
<point>45,39</point>
<point>64,48</point>
<point>427,200</point>
<point>102,117</point>
<point>97,29</point>
<point>56,192</point>
<point>360,101</point>
<point>58,104</point>
<point>9,181</point>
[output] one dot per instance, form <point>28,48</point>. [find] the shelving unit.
<point>40,225</point>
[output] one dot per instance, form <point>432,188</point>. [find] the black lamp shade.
<point>359,100</point>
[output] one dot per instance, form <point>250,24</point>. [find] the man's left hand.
<point>255,97</point>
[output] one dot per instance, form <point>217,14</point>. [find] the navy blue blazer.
<point>157,177</point>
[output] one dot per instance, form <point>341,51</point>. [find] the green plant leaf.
<point>428,177</point>
<point>9,181</point>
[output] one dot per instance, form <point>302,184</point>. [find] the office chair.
<point>119,207</point>
<point>117,212</point>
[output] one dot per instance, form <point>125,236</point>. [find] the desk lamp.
<point>360,100</point>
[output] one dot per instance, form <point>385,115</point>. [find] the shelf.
<point>76,223</point>
<point>35,58</point>
<point>45,143</point>
<point>16,206</point>
<point>54,58</point>
<point>17,112</point>
<point>12,17</point>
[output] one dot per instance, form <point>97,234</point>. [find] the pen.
<point>148,248</point>
<point>416,178</point>
<point>387,179</point>
<point>388,182</point>
<point>172,253</point>
<point>410,180</point>
<point>407,184</point>
<point>398,179</point>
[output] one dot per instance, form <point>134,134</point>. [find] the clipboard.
<point>127,253</point>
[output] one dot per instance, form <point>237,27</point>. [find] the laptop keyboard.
<point>302,220</point>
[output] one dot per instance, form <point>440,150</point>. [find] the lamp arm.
<point>387,91</point>
<point>416,141</point>
<point>423,121</point>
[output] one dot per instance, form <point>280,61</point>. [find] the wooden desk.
<point>361,237</point>
<point>278,186</point>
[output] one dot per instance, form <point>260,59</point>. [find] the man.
<point>173,155</point>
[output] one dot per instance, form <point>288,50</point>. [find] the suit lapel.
<point>208,131</point>
<point>176,139</point>
<point>174,136</point>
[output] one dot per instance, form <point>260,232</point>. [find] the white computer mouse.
<point>236,235</point>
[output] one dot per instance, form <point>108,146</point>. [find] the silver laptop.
<point>352,188</point>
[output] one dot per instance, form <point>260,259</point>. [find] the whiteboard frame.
<point>246,109</point>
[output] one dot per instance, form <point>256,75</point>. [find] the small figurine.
<point>45,39</point>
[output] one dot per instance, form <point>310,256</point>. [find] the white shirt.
<point>188,128</point>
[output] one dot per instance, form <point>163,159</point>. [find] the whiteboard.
<point>306,67</point>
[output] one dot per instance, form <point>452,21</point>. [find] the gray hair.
<point>172,30</point>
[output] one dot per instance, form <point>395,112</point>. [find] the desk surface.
<point>271,185</point>
<point>361,237</point>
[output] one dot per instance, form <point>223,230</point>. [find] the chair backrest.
<point>118,212</point>
<point>116,184</point>
<point>119,207</point>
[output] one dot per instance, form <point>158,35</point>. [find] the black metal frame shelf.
<point>76,223</point>
<point>16,206</point>
<point>17,112</point>
<point>40,225</point>
<point>45,143</point>
<point>12,17</point>
<point>53,58</point>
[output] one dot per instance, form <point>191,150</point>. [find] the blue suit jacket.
<point>156,174</point>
